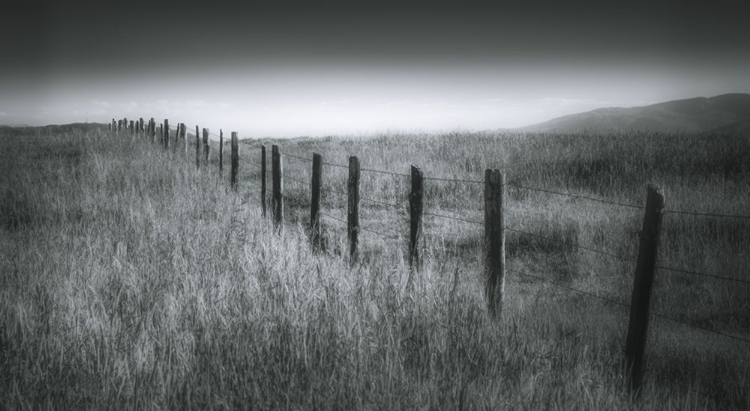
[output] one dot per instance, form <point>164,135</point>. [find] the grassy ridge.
<point>129,279</point>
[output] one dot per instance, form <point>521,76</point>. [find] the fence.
<point>494,224</point>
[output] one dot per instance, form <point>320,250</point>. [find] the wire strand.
<point>576,196</point>
<point>297,157</point>
<point>543,280</point>
<point>453,218</point>
<point>696,214</point>
<point>384,172</point>
<point>698,274</point>
<point>454,180</point>
<point>734,337</point>
<point>335,165</point>
<point>631,259</point>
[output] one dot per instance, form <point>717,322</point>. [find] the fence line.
<point>354,169</point>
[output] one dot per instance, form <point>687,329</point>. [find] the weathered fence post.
<point>221,153</point>
<point>494,240</point>
<point>415,215</point>
<point>140,126</point>
<point>235,161</point>
<point>205,146</point>
<point>177,136</point>
<point>183,134</point>
<point>352,214</point>
<point>263,179</point>
<point>197,148</point>
<point>153,130</point>
<point>119,126</point>
<point>166,134</point>
<point>635,345</point>
<point>317,176</point>
<point>132,127</point>
<point>277,168</point>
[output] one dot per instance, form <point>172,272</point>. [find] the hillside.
<point>678,116</point>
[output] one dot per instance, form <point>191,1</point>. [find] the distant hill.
<point>689,116</point>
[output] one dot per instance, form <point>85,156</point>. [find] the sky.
<point>356,68</point>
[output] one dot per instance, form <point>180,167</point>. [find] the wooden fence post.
<point>221,153</point>
<point>153,130</point>
<point>235,161</point>
<point>205,146</point>
<point>177,135</point>
<point>197,148</point>
<point>140,126</point>
<point>183,134</point>
<point>494,240</point>
<point>132,127</point>
<point>635,345</point>
<point>119,126</point>
<point>317,176</point>
<point>263,173</point>
<point>352,214</point>
<point>415,215</point>
<point>166,134</point>
<point>277,168</point>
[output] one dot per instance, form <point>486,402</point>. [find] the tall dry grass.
<point>129,280</point>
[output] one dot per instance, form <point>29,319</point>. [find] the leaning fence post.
<point>415,215</point>
<point>205,146</point>
<point>263,179</point>
<point>221,152</point>
<point>352,214</point>
<point>278,187</point>
<point>235,161</point>
<point>317,176</point>
<point>494,240</point>
<point>635,345</point>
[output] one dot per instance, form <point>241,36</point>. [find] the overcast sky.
<point>298,69</point>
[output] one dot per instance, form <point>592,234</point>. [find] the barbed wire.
<point>593,250</point>
<point>698,274</point>
<point>387,237</point>
<point>384,172</point>
<point>452,218</point>
<point>286,176</point>
<point>575,196</point>
<point>371,200</point>
<point>734,337</point>
<point>454,180</point>
<point>697,214</point>
<point>590,294</point>
<point>335,165</point>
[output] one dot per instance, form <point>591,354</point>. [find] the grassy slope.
<point>130,279</point>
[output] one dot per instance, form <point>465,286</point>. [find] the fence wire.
<point>698,327</point>
<point>716,215</point>
<point>698,274</point>
<point>542,190</point>
<point>453,218</point>
<point>558,285</point>
<point>593,250</point>
<point>454,180</point>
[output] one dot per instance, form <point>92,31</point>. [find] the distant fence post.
<point>197,148</point>
<point>635,345</point>
<point>221,153</point>
<point>205,146</point>
<point>177,136</point>
<point>119,125</point>
<point>352,214</point>
<point>278,187</point>
<point>183,133</point>
<point>494,240</point>
<point>317,176</point>
<point>235,161</point>
<point>415,215</point>
<point>132,127</point>
<point>140,126</point>
<point>263,179</point>
<point>166,134</point>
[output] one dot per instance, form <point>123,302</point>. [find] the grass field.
<point>130,280</point>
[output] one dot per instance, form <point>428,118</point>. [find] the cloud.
<point>3,113</point>
<point>101,104</point>
<point>129,107</point>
